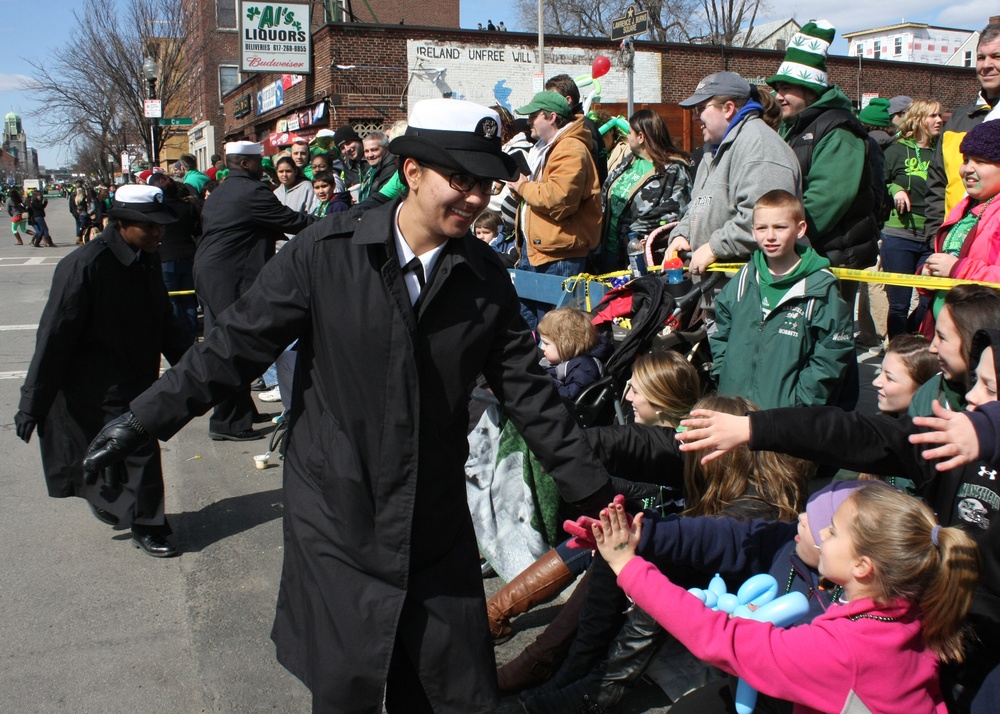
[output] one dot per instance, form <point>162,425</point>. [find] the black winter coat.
<point>241,221</point>
<point>107,321</point>
<point>379,543</point>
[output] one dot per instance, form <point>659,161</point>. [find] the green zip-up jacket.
<point>797,355</point>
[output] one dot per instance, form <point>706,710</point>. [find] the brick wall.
<point>374,88</point>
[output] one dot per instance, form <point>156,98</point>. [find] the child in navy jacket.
<point>574,355</point>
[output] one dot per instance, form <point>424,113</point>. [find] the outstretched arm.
<point>713,432</point>
<point>956,435</point>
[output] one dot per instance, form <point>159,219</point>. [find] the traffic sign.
<point>152,108</point>
<point>175,121</point>
<point>634,23</point>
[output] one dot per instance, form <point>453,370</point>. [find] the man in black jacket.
<point>352,152</point>
<point>397,310</point>
<point>99,342</point>
<point>241,221</point>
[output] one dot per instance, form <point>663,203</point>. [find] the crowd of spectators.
<point>377,264</point>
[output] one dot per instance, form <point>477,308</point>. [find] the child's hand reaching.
<point>616,537</point>
<point>954,434</point>
<point>582,528</point>
<point>714,432</point>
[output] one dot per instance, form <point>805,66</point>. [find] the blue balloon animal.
<point>759,591</point>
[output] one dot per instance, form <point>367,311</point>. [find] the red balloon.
<point>600,67</point>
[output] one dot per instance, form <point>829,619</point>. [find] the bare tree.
<point>715,21</point>
<point>725,20</point>
<point>92,160</point>
<point>92,88</point>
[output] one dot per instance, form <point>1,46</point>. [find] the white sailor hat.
<point>456,134</point>
<point>141,204</point>
<point>244,148</point>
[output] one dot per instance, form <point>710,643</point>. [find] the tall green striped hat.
<point>805,59</point>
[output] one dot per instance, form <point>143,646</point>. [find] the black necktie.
<point>417,268</point>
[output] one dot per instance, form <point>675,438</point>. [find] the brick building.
<point>368,75</point>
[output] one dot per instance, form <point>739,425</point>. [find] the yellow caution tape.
<point>569,285</point>
<point>927,282</point>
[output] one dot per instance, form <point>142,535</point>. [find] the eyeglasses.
<point>699,108</point>
<point>465,183</point>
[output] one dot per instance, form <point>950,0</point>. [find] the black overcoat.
<point>106,323</point>
<point>241,221</point>
<point>378,537</point>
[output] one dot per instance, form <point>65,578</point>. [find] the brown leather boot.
<point>540,582</point>
<point>540,660</point>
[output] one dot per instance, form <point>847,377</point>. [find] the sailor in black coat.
<point>107,321</point>
<point>381,589</point>
<point>241,221</point>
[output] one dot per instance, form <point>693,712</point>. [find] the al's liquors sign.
<point>275,37</point>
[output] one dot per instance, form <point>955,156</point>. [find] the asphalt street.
<point>90,624</point>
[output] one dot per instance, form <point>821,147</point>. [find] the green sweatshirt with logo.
<point>794,350</point>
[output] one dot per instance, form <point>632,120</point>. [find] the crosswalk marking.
<point>29,262</point>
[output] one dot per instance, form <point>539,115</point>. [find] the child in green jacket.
<point>784,334</point>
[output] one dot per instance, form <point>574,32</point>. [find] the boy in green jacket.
<point>784,335</point>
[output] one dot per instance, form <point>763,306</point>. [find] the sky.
<point>42,26</point>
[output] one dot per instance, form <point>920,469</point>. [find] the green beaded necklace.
<point>855,618</point>
<point>837,591</point>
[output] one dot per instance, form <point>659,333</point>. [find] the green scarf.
<point>772,289</point>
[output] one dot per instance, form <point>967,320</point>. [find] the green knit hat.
<point>805,59</point>
<point>876,113</point>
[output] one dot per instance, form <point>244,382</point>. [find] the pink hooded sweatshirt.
<point>816,666</point>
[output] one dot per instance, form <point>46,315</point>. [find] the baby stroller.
<point>662,316</point>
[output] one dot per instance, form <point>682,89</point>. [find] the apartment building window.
<point>225,14</point>
<point>967,62</point>
<point>878,48</point>
<point>897,47</point>
<point>859,48</point>
<point>229,77</point>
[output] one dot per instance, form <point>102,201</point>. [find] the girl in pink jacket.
<point>907,583</point>
<point>967,245</point>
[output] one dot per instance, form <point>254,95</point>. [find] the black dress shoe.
<point>258,385</point>
<point>154,545</point>
<point>245,435</point>
<point>264,418</point>
<point>103,516</point>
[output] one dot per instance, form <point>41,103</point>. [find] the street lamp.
<point>150,70</point>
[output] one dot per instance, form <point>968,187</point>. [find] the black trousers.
<point>236,413</point>
<point>403,692</point>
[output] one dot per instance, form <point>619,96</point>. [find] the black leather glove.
<point>114,475</point>
<point>24,425</point>
<point>119,438</point>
